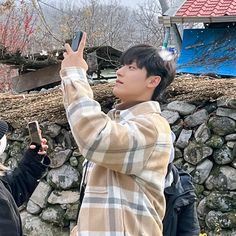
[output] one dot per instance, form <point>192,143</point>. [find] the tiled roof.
<point>208,8</point>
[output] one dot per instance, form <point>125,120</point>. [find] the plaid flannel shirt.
<point>130,148</point>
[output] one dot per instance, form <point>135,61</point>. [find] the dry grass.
<point>19,109</point>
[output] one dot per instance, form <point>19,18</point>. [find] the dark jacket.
<point>181,214</point>
<point>16,188</point>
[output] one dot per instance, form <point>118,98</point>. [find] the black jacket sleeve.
<point>23,180</point>
<point>10,223</point>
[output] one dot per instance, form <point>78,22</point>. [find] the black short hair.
<point>146,56</point>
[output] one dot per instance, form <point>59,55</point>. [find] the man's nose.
<point>120,71</point>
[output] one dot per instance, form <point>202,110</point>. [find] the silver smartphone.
<point>35,133</point>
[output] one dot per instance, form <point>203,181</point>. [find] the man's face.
<point>131,83</point>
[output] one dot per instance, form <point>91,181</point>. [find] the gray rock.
<point>177,129</point>
<point>34,226</point>
<point>206,193</point>
<point>183,108</point>
<point>222,178</point>
<point>50,129</point>
<point>230,137</point>
<point>217,219</point>
<point>233,163</point>
<point>33,92</point>
<point>231,144</point>
<point>72,211</point>
<point>171,116</point>
<point>183,139</point>
<point>3,157</point>
<point>223,156</point>
<point>234,151</point>
<point>202,209</point>
<point>221,232</point>
<point>211,107</point>
<point>199,190</point>
<point>63,197</point>
<point>43,90</point>
<point>178,153</point>
<point>15,150</point>
<point>212,220</point>
<point>215,141</point>
<point>202,134</point>
<point>64,138</point>
<point>11,163</point>
<point>18,135</point>
<point>221,201</point>
<point>230,103</point>
<point>73,161</point>
<point>196,118</point>
<point>59,157</point>
<point>179,162</point>
<point>231,113</point>
<point>202,171</point>
<point>195,153</point>
<point>33,208</point>
<point>41,194</point>
<point>54,215</point>
<point>64,177</point>
<point>163,106</point>
<point>222,125</point>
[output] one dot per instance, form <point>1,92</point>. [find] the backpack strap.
<point>83,182</point>
<point>83,186</point>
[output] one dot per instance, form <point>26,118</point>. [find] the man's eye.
<point>132,67</point>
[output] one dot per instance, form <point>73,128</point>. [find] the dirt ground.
<point>19,109</point>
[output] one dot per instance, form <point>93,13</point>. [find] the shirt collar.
<point>136,108</point>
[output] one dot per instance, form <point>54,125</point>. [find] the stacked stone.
<point>53,207</point>
<point>205,146</point>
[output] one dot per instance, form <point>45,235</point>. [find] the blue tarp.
<point>208,51</point>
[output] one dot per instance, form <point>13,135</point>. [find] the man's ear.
<point>154,81</point>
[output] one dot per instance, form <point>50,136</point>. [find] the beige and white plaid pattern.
<point>130,148</point>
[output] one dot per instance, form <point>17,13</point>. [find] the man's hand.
<point>75,59</point>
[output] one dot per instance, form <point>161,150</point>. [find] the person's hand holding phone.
<point>37,142</point>
<point>75,59</point>
<point>43,148</point>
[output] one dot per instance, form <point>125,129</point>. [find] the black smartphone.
<point>76,40</point>
<point>34,132</point>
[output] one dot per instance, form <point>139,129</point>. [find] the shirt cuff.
<point>73,73</point>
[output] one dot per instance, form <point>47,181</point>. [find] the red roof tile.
<point>208,8</point>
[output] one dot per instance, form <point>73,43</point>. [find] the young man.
<point>129,148</point>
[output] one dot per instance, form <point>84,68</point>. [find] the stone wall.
<point>205,146</point>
